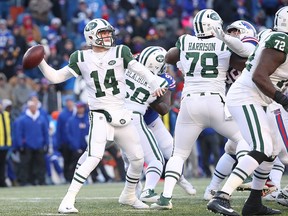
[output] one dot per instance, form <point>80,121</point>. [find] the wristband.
<point>280,98</point>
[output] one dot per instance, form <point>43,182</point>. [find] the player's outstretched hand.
<point>159,86</point>
<point>219,33</point>
<point>159,92</point>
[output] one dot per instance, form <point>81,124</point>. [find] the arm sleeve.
<point>55,76</point>
<point>237,46</point>
<point>154,81</point>
<point>141,70</point>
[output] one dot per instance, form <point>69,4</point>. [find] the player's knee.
<point>258,156</point>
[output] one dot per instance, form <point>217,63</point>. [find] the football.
<point>33,56</point>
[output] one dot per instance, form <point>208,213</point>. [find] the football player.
<point>204,60</point>
<point>103,69</point>
<point>241,38</point>
<point>262,81</point>
<point>138,99</point>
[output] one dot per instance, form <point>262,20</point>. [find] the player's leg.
<point>249,118</point>
<point>186,134</point>
<point>95,151</point>
<point>165,143</point>
<point>127,138</point>
<point>152,157</point>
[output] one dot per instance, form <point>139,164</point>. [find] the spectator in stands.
<point>48,96</point>
<point>20,93</point>
<point>77,129</point>
<point>62,137</point>
<point>30,31</point>
<point>5,87</point>
<point>5,142</point>
<point>32,142</point>
<point>20,43</point>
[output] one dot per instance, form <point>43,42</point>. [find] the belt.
<point>206,94</point>
<point>203,93</point>
<point>106,114</point>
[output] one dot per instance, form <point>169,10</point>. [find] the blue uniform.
<point>151,114</point>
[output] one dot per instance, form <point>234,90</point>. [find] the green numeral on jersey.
<point>208,70</point>
<point>109,82</point>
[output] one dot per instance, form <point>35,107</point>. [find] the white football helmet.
<point>153,57</point>
<point>246,29</point>
<point>204,20</point>
<point>92,36</point>
<point>281,20</point>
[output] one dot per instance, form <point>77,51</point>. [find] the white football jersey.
<point>138,95</point>
<point>244,91</point>
<point>205,63</point>
<point>104,77</point>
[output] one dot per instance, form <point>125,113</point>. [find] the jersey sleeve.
<point>180,43</point>
<point>251,40</point>
<point>171,81</point>
<point>277,41</point>
<point>125,53</point>
<point>76,57</point>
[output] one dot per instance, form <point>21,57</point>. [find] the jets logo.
<point>91,26</point>
<point>122,121</point>
<point>112,62</point>
<point>160,58</point>
<point>214,16</point>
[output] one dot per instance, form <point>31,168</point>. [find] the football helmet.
<point>153,57</point>
<point>246,29</point>
<point>281,20</point>
<point>92,33</point>
<point>203,22</point>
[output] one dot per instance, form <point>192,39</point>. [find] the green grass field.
<point>102,199</point>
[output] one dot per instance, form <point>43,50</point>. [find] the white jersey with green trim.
<point>244,91</point>
<point>104,77</point>
<point>138,95</point>
<point>205,63</point>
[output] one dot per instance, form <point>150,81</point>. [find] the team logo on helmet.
<point>214,16</point>
<point>91,26</point>
<point>160,58</point>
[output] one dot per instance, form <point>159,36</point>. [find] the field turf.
<point>102,199</point>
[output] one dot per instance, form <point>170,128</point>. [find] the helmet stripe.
<point>104,22</point>
<point>200,21</point>
<point>276,15</point>
<point>196,22</point>
<point>146,55</point>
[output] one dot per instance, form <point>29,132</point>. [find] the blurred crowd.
<point>58,25</point>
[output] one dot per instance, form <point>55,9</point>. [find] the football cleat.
<point>67,206</point>
<point>258,210</point>
<point>183,183</point>
<point>272,196</point>
<point>162,203</point>
<point>209,193</point>
<point>269,187</point>
<point>220,203</point>
<point>132,200</point>
<point>149,196</point>
<point>282,197</point>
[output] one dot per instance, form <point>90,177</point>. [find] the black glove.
<point>281,99</point>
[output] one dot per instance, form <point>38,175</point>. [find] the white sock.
<point>172,174</point>
<point>153,174</point>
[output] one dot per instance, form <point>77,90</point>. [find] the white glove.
<point>219,33</point>
<point>158,86</point>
